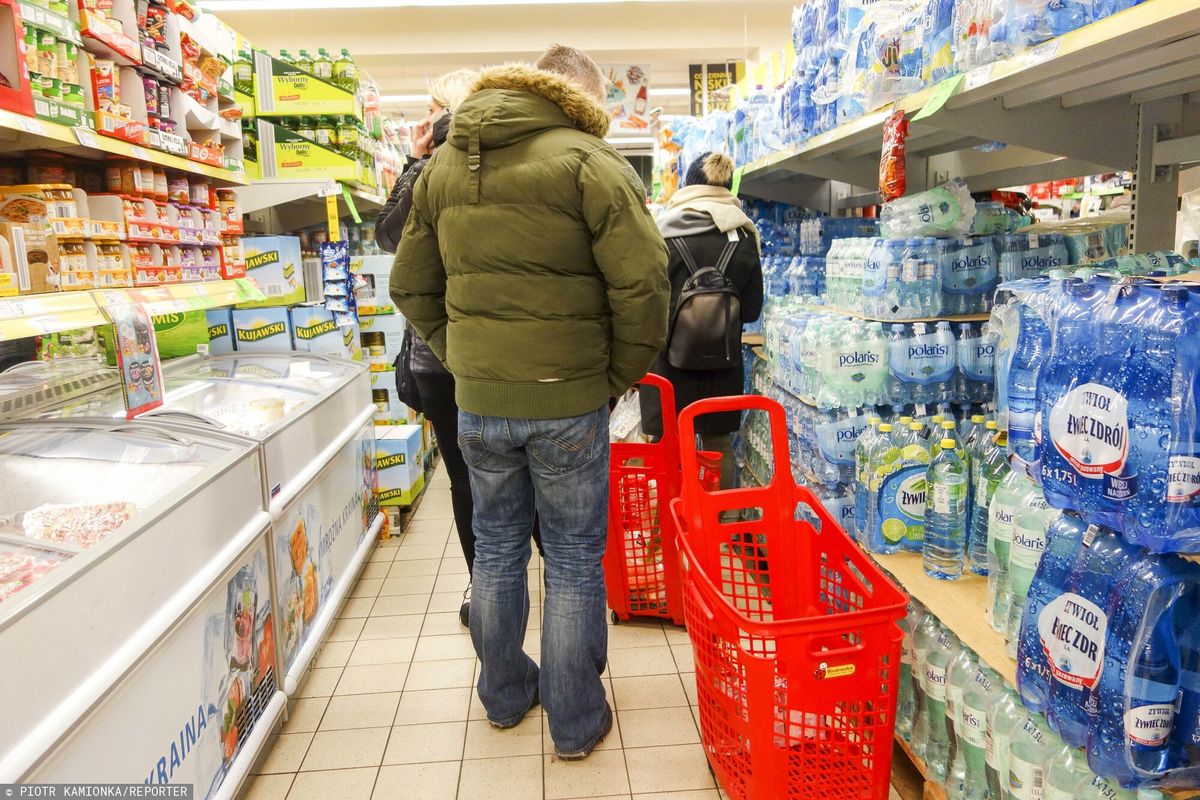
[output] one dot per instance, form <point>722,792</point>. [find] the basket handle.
<point>749,402</point>
<point>666,400</point>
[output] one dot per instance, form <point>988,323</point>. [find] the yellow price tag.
<point>335,226</point>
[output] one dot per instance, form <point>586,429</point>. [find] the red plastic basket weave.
<point>641,565</point>
<point>794,630</point>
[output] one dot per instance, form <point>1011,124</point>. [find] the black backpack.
<point>706,326</point>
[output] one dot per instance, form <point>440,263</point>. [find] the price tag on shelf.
<point>978,77</point>
<point>140,153</point>
<point>333,220</point>
<point>34,126</point>
<point>46,324</point>
<point>86,137</point>
<point>350,204</point>
<point>737,180</point>
<point>941,93</point>
<point>1043,52</point>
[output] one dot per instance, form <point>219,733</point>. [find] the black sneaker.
<point>580,755</point>
<point>464,611</point>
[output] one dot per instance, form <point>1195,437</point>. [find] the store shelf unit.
<point>1116,95</point>
<point>37,314</point>
<point>20,133</point>
<point>294,204</point>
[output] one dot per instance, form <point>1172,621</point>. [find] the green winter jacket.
<point>530,263</point>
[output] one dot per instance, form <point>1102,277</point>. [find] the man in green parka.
<point>532,267</point>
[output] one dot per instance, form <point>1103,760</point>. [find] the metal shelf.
<point>19,133</point>
<point>287,205</point>
<point>1111,96</point>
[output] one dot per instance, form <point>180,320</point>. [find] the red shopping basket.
<point>641,566</point>
<point>794,630</point>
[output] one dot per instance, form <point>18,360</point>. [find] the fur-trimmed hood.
<point>514,102</point>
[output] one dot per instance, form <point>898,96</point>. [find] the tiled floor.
<point>388,711</point>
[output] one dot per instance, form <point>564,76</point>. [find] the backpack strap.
<point>685,253</point>
<point>689,260</point>
<point>727,254</point>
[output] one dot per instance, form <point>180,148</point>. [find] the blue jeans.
<point>559,467</point>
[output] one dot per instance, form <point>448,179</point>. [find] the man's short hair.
<point>577,67</point>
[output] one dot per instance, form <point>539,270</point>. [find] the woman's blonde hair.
<point>452,88</point>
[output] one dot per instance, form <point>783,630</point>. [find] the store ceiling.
<point>405,43</point>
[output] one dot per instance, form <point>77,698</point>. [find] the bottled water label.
<point>954,704</point>
<point>1027,547</point>
<point>1089,427</point>
<point>972,727</point>
<point>1024,778</point>
<point>902,505</point>
<point>949,497</point>
<point>971,269</point>
<point>977,358</point>
<point>1183,479</point>
<point>930,359</point>
<point>1073,631</point>
<point>836,440</point>
<point>1150,725</point>
<point>935,683</point>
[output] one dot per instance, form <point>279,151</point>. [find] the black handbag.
<point>406,382</point>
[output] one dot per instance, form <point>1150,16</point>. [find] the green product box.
<point>175,334</point>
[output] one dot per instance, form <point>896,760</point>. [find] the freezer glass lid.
<point>293,370</point>
<point>66,488</point>
<point>247,409</point>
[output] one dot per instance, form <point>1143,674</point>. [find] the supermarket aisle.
<point>389,713</point>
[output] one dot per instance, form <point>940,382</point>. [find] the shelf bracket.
<point>1155,184</point>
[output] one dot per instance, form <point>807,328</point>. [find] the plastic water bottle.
<point>950,431</point>
<point>987,472</point>
<point>1032,342</point>
<point>1186,740</point>
<point>883,459</point>
<point>961,674</point>
<point>931,302</point>
<point>984,691</point>
<point>1028,544</point>
<point>937,665</point>
<point>899,380</point>
<point>1064,538</point>
<point>945,514</point>
<point>1027,751</point>
<point>1065,767</point>
<point>902,493</point>
<point>1098,788</point>
<point>932,355</point>
<point>925,635</point>
<point>1007,500</point>
<point>877,267</point>
<point>1003,719</point>
<point>1085,608</point>
<point>906,699</point>
<point>861,482</point>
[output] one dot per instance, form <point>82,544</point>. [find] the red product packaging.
<point>893,180</point>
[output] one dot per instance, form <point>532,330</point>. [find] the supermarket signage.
<point>137,357</point>
<point>628,101</point>
<point>706,82</point>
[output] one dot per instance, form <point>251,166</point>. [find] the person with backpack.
<point>716,288</point>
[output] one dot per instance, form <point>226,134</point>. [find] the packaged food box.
<point>220,330</point>
<point>257,329</point>
<point>315,330</point>
<point>176,335</point>
<point>389,408</point>
<point>276,264</point>
<point>398,464</point>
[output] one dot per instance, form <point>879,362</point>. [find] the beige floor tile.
<point>344,784</point>
<point>346,749</point>
<point>425,537</point>
<point>268,787</point>
<point>382,651</point>
<point>304,714</point>
<point>345,630</point>
<point>360,711</point>
<point>398,626</point>
<point>419,552</point>
<point>611,742</point>
<point>416,568</point>
<point>372,679</point>
<point>407,584</point>
<point>631,661</point>
<point>367,587</point>
<point>382,555</point>
<point>453,674</point>
<point>699,794</point>
<point>333,654</point>
<point>689,686</point>
<point>476,710</point>
<point>418,782</point>
<point>435,509</point>
<point>392,541</point>
<point>435,705</point>
<point>649,691</point>
<point>443,623</point>
<point>397,605</point>
<point>484,741</point>
<point>445,601</point>
<point>533,642</point>
<point>449,582</point>
<point>320,682</point>
<point>636,634</point>
<point>443,648</point>
<point>356,607</point>
<point>602,773</point>
<point>676,635</point>
<point>454,566</point>
<point>426,743</point>
<point>655,727</point>
<point>424,524</point>
<point>685,657</point>
<point>377,570</point>
<point>501,778</point>
<point>285,752</point>
<point>668,769</point>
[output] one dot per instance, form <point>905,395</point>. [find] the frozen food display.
<point>79,524</point>
<point>21,566</point>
